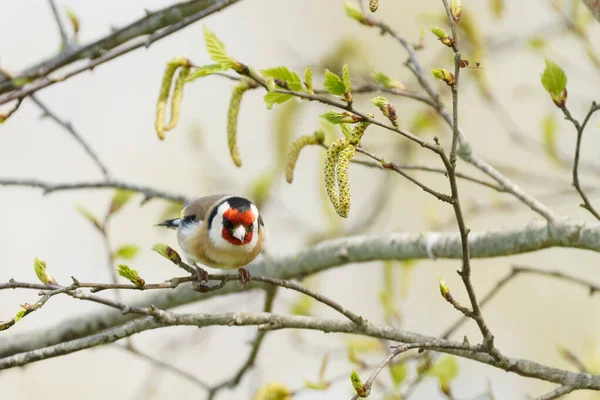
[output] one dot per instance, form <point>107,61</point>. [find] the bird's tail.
<point>170,223</point>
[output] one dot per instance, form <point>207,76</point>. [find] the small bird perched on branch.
<point>220,231</point>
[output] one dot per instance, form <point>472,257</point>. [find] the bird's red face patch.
<point>236,218</point>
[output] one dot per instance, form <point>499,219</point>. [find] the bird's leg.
<point>201,277</point>
<point>244,276</point>
<point>201,274</point>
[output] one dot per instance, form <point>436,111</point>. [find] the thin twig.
<point>556,393</point>
<point>68,126</point>
<point>592,288</point>
<point>47,187</point>
<point>61,28</point>
<point>401,349</point>
<point>174,282</point>
<point>166,366</point>
<point>157,24</point>
<point>580,128</point>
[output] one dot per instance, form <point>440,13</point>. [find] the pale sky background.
<point>113,109</point>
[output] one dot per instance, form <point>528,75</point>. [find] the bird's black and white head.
<point>235,223</point>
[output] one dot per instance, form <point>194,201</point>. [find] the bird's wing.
<point>199,208</point>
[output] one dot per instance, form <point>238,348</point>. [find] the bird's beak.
<point>240,233</point>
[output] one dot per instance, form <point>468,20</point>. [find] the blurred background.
<point>504,110</point>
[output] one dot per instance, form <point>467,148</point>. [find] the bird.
<point>221,231</point>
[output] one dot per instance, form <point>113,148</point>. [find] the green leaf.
<point>398,371</point>
<point>272,98</point>
<point>386,81</point>
<point>283,73</point>
<point>205,70</point>
<point>308,79</point>
<point>216,49</point>
<point>446,369</point>
<point>127,252</point>
<point>333,83</point>
<point>88,214</point>
<point>167,252</point>
<point>379,101</point>
<point>346,79</point>
<point>549,139</point>
<point>39,266</point>
<point>270,83</point>
<point>353,11</point>
<point>337,118</point>
<point>302,306</point>
<point>554,79</point>
<point>131,275</point>
<point>439,32</point>
<point>346,131</point>
<point>322,385</point>
<point>120,198</point>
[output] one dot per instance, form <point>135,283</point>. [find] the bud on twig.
<point>444,75</point>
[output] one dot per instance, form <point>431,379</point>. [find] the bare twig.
<point>166,366</point>
<point>69,128</point>
<point>174,282</point>
<point>580,128</point>
<point>403,348</point>
<point>47,187</point>
<point>157,25</point>
<point>592,288</point>
<point>9,113</point>
<point>556,393</point>
<point>269,321</point>
<point>61,28</point>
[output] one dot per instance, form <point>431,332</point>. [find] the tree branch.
<point>69,128</point>
<point>148,192</point>
<point>155,26</point>
<point>64,39</point>
<point>269,321</point>
<point>535,236</point>
<point>580,128</point>
<point>556,393</point>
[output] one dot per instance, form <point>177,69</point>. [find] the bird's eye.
<point>226,223</point>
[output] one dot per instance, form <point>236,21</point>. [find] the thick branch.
<point>332,253</point>
<point>268,321</point>
<point>155,25</point>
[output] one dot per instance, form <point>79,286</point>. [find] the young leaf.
<point>120,198</point>
<point>446,369</point>
<point>333,83</point>
<point>347,85</point>
<point>346,131</point>
<point>272,98</point>
<point>131,275</point>
<point>167,252</point>
<point>398,371</point>
<point>90,217</point>
<point>554,81</point>
<point>216,49</point>
<point>337,118</point>
<point>354,12</point>
<point>439,32</point>
<point>39,266</point>
<point>308,79</point>
<point>284,74</point>
<point>358,385</point>
<point>387,82</point>
<point>273,391</point>
<point>549,131</point>
<point>127,252</point>
<point>205,70</point>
